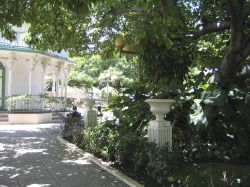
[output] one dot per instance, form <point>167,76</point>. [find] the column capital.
<point>45,65</point>
<point>8,61</point>
<point>30,63</point>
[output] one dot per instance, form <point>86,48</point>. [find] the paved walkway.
<point>30,155</point>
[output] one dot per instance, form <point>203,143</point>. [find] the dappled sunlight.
<point>29,127</point>
<point>6,168</point>
<point>8,131</point>
<point>33,138</point>
<point>38,185</point>
<point>21,152</point>
<point>4,158</point>
<point>32,156</point>
<point>79,161</point>
<point>14,176</point>
<point>1,146</point>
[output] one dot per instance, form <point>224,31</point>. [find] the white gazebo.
<point>23,70</point>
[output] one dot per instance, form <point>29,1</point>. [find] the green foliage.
<point>212,174</point>
<point>54,25</point>
<point>96,71</point>
<point>163,49</point>
<point>73,130</point>
<point>131,110</point>
<point>102,140</point>
<point>161,165</point>
<point>216,120</point>
<point>157,166</point>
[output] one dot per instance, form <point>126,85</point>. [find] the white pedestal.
<point>90,118</point>
<point>160,132</point>
<point>90,115</point>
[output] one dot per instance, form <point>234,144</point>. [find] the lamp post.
<point>106,77</point>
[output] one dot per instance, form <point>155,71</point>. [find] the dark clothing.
<point>99,111</point>
<point>76,114</point>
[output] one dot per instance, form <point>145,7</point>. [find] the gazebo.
<point>23,71</point>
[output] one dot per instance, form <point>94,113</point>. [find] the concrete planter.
<point>90,115</point>
<point>159,130</point>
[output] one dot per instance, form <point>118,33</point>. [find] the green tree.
<point>90,72</point>
<point>172,35</point>
<point>169,35</point>
<point>54,25</point>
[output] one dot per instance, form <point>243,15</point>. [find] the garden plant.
<point>196,52</point>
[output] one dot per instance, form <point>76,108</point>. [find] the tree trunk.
<point>232,60</point>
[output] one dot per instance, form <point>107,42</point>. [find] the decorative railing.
<point>20,43</point>
<point>37,103</point>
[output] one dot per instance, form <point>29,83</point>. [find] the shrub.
<point>73,130</point>
<point>102,140</point>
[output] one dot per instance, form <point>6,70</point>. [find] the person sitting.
<point>75,113</point>
<point>99,111</point>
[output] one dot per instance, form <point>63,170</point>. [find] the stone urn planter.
<point>90,115</point>
<point>89,103</point>
<point>160,107</point>
<point>160,130</point>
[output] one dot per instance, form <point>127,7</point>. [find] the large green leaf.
<point>215,97</point>
<point>198,116</point>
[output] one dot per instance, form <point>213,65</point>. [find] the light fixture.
<point>123,46</point>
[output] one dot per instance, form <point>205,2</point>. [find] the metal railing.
<point>36,103</point>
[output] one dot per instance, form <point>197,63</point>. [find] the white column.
<point>9,81</point>
<point>57,84</point>
<point>90,115</point>
<point>54,84</point>
<point>18,39</point>
<point>65,87</point>
<point>44,65</point>
<point>42,83</point>
<point>62,86</point>
<point>30,80</point>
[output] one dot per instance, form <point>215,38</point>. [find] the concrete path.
<point>30,155</point>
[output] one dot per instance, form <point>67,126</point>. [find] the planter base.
<point>90,118</point>
<point>160,132</point>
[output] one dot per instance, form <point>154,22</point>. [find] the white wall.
<point>20,79</point>
<point>36,82</point>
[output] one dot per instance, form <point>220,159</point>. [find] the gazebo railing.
<point>37,103</point>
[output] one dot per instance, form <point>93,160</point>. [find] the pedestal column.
<point>160,130</point>
<point>90,116</point>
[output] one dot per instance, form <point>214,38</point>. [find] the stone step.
<point>57,117</point>
<point>4,116</point>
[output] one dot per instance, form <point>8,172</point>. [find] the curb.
<point>104,165</point>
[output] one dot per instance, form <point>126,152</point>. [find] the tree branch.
<point>223,25</point>
<point>211,28</point>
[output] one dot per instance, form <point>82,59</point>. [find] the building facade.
<point>24,70</point>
